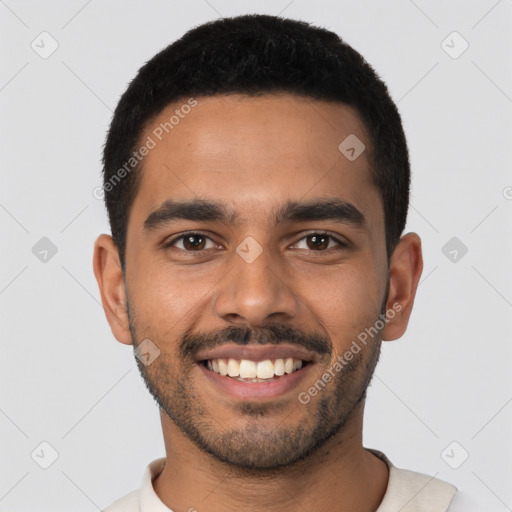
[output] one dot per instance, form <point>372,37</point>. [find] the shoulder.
<point>417,492</point>
<point>128,503</point>
<point>145,497</point>
<point>410,491</point>
<point>420,483</point>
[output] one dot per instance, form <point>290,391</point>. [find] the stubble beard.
<point>260,445</point>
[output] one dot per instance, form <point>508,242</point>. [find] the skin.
<point>254,154</point>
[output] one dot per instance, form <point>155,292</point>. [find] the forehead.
<point>253,151</point>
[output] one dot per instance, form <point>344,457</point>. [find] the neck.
<point>341,476</point>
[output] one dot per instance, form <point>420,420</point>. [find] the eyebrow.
<point>202,210</point>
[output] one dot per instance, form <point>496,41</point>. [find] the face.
<point>255,258</point>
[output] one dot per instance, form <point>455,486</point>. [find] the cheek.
<point>346,303</point>
<point>165,301</point>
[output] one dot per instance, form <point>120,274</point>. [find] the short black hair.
<point>256,55</point>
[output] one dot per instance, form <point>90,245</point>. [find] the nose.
<point>255,290</point>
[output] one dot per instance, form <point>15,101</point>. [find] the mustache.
<point>273,334</point>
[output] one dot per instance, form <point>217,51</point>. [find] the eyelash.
<point>341,244</point>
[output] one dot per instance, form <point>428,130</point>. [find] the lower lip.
<point>257,390</point>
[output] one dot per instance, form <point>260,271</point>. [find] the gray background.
<point>64,380</point>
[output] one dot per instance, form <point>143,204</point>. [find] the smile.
<point>246,370</point>
<point>255,372</point>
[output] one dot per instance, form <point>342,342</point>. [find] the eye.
<point>320,241</point>
<point>192,242</point>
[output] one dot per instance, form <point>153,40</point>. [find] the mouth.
<point>255,373</point>
<point>246,370</point>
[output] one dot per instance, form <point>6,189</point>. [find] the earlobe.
<point>405,270</point>
<point>109,276</point>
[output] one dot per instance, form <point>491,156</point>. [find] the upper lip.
<point>257,352</point>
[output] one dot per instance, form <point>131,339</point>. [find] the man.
<point>256,177</point>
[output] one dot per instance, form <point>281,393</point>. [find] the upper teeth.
<point>247,369</point>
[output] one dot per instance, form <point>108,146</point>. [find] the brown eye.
<point>191,242</point>
<point>318,241</point>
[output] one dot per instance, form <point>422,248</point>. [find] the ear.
<point>405,269</point>
<point>109,275</point>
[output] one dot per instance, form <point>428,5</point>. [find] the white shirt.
<point>407,491</point>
